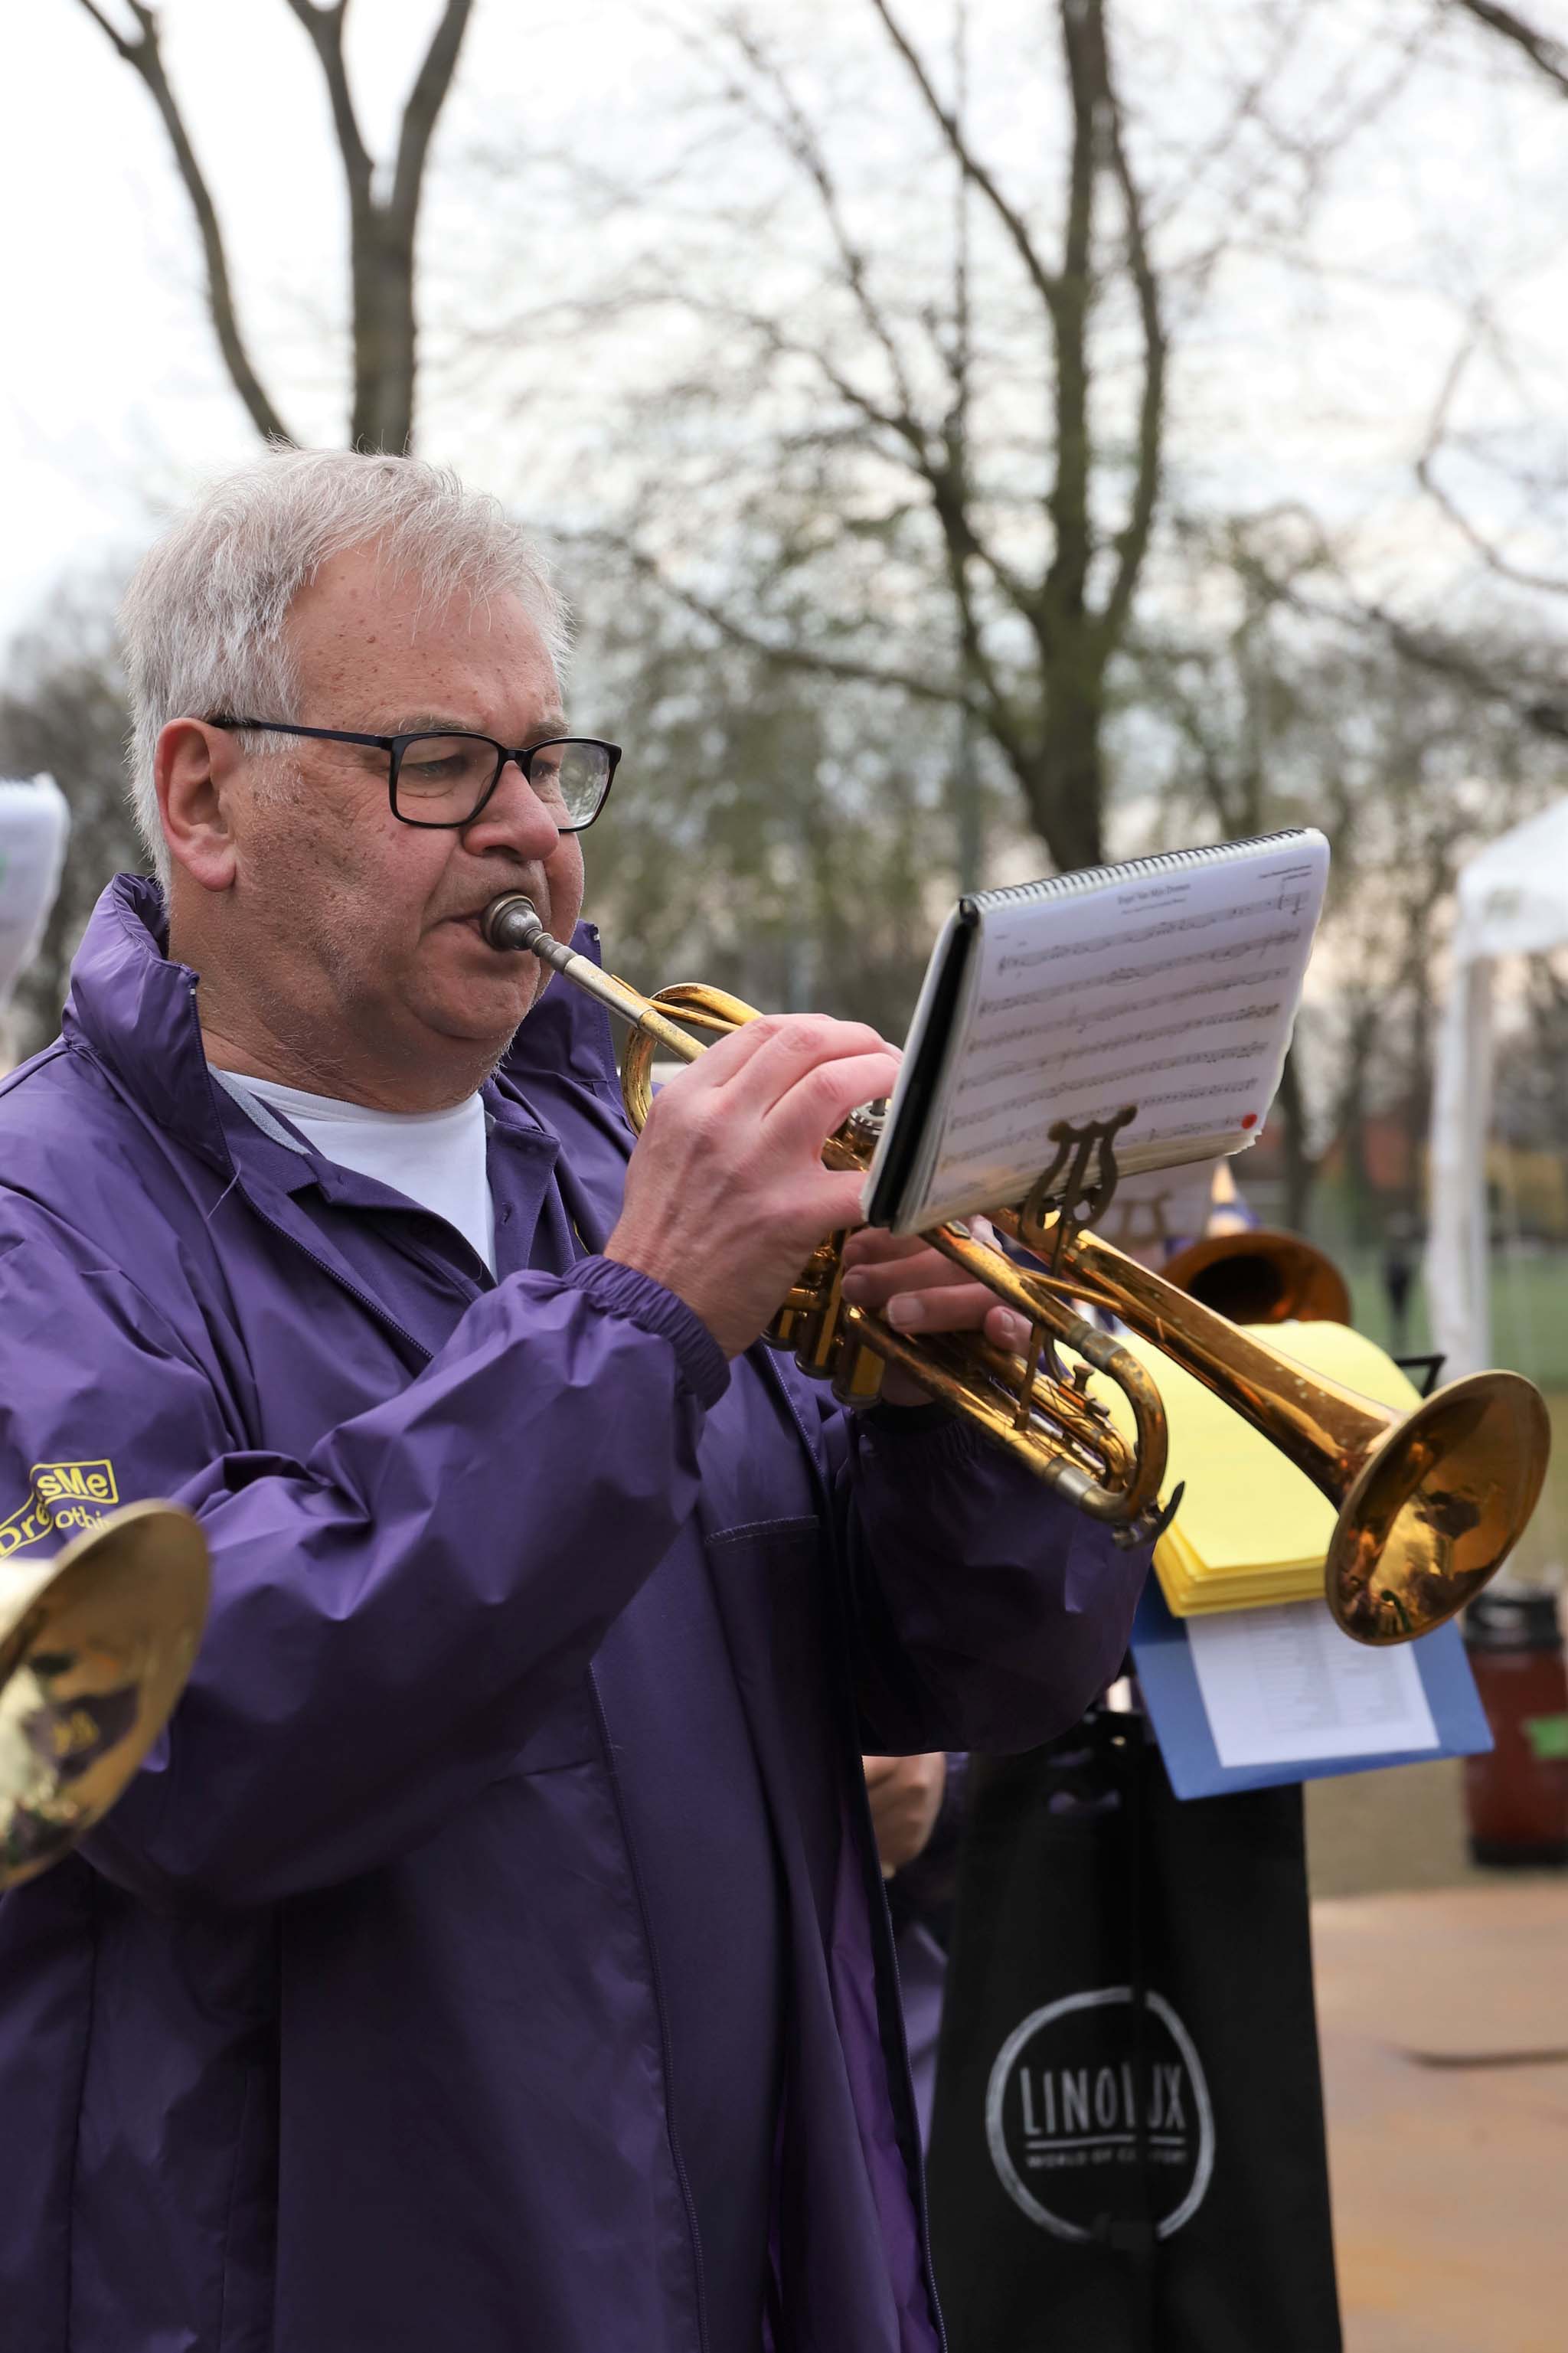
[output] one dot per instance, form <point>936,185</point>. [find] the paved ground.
<point>1448,2115</point>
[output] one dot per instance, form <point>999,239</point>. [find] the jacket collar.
<point>137,1013</point>
<point>136,1010</point>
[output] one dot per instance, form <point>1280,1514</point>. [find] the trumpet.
<point>1430,1502</point>
<point>95,1647</point>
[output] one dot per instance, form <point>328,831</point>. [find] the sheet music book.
<point>1170,982</point>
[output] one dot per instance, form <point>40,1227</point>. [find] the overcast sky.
<point>111,392</point>
<point>1306,383</point>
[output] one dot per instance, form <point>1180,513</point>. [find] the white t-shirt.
<point>433,1157</point>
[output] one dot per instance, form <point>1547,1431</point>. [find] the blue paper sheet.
<point>1172,1694</point>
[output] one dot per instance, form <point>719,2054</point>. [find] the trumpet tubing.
<point>1429,1503</point>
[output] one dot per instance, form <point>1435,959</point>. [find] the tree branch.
<point>325,28</point>
<point>1063,592</point>
<point>1045,284</point>
<point>1542,714</point>
<point>381,233</point>
<point>806,148</point>
<point>993,708</point>
<point>145,59</point>
<point>1427,475</point>
<point>939,475</point>
<point>426,101</point>
<point>1549,57</point>
<point>1133,540</point>
<point>918,684</point>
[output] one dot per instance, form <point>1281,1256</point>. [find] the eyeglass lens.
<point>442,779</point>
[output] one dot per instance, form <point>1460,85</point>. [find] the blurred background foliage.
<point>907,392</point>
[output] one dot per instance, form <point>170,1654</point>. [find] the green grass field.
<point>1368,1833</point>
<point>1530,1311</point>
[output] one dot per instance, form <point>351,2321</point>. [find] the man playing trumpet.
<point>493,1951</point>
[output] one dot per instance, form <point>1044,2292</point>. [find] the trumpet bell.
<point>1262,1276</point>
<point>1436,1507</point>
<point>95,1653</point>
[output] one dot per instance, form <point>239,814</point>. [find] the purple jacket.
<point>347,2031</point>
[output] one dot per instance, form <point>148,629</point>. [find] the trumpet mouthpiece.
<point>510,922</point>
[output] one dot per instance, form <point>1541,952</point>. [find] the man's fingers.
<point>873,1246</point>
<point>870,1246</point>
<point>787,1049</point>
<point>822,1097</point>
<point>871,1283</point>
<point>957,1307</point>
<point>726,1056</point>
<point>836,1202</point>
<point>917,1289</point>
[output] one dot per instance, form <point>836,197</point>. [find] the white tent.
<point>34,824</point>
<point>1512,901</point>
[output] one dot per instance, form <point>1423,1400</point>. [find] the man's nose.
<point>514,818</point>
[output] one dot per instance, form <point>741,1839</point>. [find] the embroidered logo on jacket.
<point>65,1497</point>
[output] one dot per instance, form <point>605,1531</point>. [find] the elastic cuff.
<point>626,1290</point>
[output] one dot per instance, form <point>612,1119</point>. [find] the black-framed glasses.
<point>445,779</point>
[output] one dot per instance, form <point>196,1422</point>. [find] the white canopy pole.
<point>1457,1267</point>
<point>1512,901</point>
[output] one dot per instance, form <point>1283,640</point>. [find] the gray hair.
<point>204,618</point>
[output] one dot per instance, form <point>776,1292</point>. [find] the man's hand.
<point>918,1290</point>
<point>727,1195</point>
<point>906,1799</point>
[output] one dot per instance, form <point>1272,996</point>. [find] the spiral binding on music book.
<point>1132,870</point>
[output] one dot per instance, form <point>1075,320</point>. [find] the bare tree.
<point>782,830</point>
<point>383,225</point>
<point>1037,572</point>
<point>1291,717</point>
<point>1238,709</point>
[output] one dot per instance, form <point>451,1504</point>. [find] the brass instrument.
<point>95,1647</point>
<point>1262,1276</point>
<point>1430,1504</point>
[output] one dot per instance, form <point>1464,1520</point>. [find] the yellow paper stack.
<point>1252,1530</point>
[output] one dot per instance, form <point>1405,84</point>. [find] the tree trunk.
<point>1063,781</point>
<point>385,335</point>
<point>1364,1030</point>
<point>1301,1169</point>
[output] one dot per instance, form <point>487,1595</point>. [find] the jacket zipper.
<point>901,2083</point>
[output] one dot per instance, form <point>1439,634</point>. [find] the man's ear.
<point>194,770</point>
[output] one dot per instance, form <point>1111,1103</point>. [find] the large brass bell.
<point>95,1647</point>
